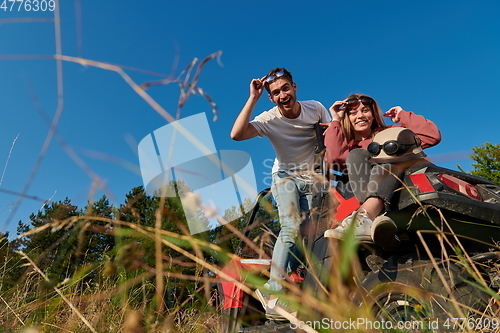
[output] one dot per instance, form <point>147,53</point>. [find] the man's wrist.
<point>254,96</point>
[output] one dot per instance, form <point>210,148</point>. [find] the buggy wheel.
<point>233,319</point>
<point>412,296</point>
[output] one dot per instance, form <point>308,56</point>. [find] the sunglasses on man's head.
<point>354,102</point>
<point>272,77</point>
<point>391,147</point>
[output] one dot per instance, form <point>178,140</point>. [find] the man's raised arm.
<point>242,129</point>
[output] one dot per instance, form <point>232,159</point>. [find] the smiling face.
<point>283,93</point>
<point>361,119</point>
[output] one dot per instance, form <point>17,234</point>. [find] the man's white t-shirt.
<point>293,139</point>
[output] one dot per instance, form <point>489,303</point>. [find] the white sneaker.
<point>271,305</point>
<point>384,232</point>
<point>362,227</point>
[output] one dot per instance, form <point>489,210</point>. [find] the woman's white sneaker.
<point>362,227</point>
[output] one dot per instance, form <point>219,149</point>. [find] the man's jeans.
<point>293,196</point>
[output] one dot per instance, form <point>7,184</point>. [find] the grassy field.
<point>132,296</point>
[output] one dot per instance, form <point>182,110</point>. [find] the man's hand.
<point>242,129</point>
<point>325,127</point>
<point>393,113</point>
<point>257,87</point>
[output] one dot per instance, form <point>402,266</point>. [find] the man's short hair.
<point>277,73</point>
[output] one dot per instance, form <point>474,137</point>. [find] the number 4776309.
<point>28,5</point>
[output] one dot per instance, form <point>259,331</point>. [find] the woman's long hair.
<point>377,125</point>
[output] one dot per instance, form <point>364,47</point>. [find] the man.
<point>290,128</point>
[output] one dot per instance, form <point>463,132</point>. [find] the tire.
<point>234,319</point>
<point>412,294</point>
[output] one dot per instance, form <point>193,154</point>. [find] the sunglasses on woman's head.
<point>272,77</point>
<point>391,147</point>
<point>354,102</point>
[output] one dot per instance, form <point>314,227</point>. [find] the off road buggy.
<point>449,225</point>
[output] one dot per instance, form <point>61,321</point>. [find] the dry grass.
<point>117,300</point>
<point>135,299</point>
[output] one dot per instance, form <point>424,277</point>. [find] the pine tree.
<point>137,252</point>
<point>487,162</point>
<point>52,239</point>
<point>99,238</point>
<point>10,262</point>
<point>61,239</point>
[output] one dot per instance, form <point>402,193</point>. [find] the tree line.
<point>100,244</point>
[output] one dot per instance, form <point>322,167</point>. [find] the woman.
<point>355,122</point>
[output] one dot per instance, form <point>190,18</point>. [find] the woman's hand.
<point>337,110</point>
<point>393,113</point>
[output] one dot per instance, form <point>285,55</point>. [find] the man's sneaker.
<point>271,306</point>
<point>362,227</point>
<point>384,233</point>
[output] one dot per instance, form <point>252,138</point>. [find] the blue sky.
<point>437,58</point>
